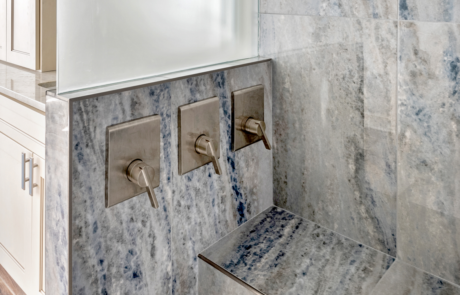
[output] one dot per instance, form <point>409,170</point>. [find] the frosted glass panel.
<point>109,41</point>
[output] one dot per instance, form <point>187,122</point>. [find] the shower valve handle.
<point>205,146</point>
<point>142,174</point>
<point>257,127</point>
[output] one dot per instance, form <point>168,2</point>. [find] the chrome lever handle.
<point>150,192</point>
<point>29,179</point>
<point>142,175</point>
<point>257,127</point>
<point>205,146</point>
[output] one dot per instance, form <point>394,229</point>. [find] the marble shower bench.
<point>279,253</point>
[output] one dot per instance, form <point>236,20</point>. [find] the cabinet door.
<point>20,217</point>
<point>21,33</point>
<point>3,29</point>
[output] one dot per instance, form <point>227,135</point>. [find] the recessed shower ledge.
<point>146,82</point>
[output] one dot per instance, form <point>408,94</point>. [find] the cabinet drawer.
<point>23,118</point>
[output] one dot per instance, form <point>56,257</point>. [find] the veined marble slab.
<point>57,215</point>
<point>429,148</point>
<point>206,206</point>
<point>131,248</point>
<point>280,253</point>
<point>381,9</point>
<point>403,279</point>
<point>334,115</point>
<point>126,248</point>
<point>430,10</point>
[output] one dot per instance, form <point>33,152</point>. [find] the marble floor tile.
<point>379,9</point>
<point>429,148</point>
<point>278,252</point>
<point>430,10</point>
<point>334,114</point>
<point>403,279</point>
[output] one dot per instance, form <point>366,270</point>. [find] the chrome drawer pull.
<point>29,179</point>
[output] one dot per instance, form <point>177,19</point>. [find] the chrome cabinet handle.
<point>257,127</point>
<point>142,175</point>
<point>29,179</point>
<point>205,146</point>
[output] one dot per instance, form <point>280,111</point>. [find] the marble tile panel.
<point>131,248</point>
<point>207,206</point>
<point>278,252</point>
<point>213,282</point>
<point>430,10</point>
<point>404,279</point>
<point>334,115</point>
<point>57,256</point>
<point>124,249</point>
<point>429,148</point>
<point>378,9</point>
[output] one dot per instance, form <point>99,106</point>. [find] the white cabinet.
<point>21,215</point>
<point>3,29</point>
<point>21,32</point>
<point>28,33</point>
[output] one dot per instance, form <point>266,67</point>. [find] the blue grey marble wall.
<point>208,206</point>
<point>133,249</point>
<point>429,138</point>
<point>334,113</point>
<point>366,120</point>
<point>57,258</point>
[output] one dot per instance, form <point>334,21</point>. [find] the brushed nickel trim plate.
<point>194,120</point>
<point>126,142</point>
<point>246,103</point>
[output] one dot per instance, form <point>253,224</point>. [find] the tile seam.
<point>329,16</point>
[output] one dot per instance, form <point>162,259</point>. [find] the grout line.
<point>363,18</point>
<point>429,273</point>
<point>328,16</point>
<point>69,200</point>
<point>429,22</point>
<point>397,128</point>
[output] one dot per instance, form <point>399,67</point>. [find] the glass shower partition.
<point>103,42</point>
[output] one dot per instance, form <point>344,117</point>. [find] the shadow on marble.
<point>429,148</point>
<point>403,279</point>
<point>213,282</point>
<point>334,115</point>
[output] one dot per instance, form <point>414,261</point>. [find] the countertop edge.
<point>35,104</point>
